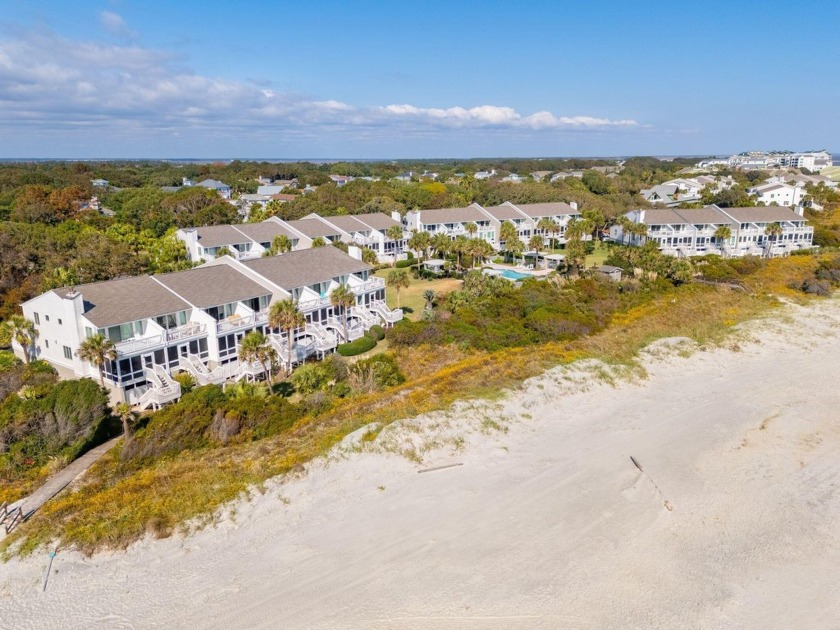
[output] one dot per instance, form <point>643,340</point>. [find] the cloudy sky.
<point>369,79</point>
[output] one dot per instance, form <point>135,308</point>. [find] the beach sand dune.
<point>546,522</point>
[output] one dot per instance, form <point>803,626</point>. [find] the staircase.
<point>365,316</point>
<point>194,366</point>
<point>354,332</point>
<point>390,316</point>
<point>324,339</point>
<point>162,389</point>
<point>300,350</point>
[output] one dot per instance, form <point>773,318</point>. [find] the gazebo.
<point>435,265</point>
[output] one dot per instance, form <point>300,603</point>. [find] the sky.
<point>365,79</point>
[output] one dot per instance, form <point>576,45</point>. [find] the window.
<point>68,353</point>
<point>59,321</point>
<point>88,332</point>
<point>47,341</point>
<point>37,319</point>
<point>47,317</point>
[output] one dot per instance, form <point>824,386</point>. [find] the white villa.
<point>252,240</point>
<point>194,321</point>
<point>453,221</point>
<point>777,193</point>
<point>691,232</point>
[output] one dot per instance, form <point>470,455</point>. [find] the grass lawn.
<point>412,297</point>
<point>598,256</point>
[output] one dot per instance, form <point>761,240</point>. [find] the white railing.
<point>311,305</point>
<point>193,329</point>
<point>365,316</point>
<point>130,346</point>
<point>369,285</point>
<point>234,322</point>
<point>354,332</point>
<point>389,315</point>
<point>162,388</point>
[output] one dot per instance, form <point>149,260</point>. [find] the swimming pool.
<point>515,275</point>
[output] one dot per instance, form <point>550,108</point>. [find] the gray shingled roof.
<point>347,223</point>
<point>124,300</point>
<point>313,228</point>
<point>377,220</point>
<point>212,286</point>
<point>708,215</point>
<point>212,183</point>
<point>265,231</point>
<point>763,214</point>
<point>451,215</point>
<point>550,209</point>
<point>219,236</point>
<point>307,266</point>
<point>504,212</point>
<point>663,216</point>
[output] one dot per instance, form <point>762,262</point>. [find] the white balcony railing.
<point>130,346</point>
<point>234,322</point>
<point>369,285</point>
<point>193,329</point>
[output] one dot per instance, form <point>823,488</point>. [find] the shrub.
<point>8,360</point>
<point>376,332</point>
<point>360,346</point>
<point>816,287</point>
<point>186,380</point>
<point>375,373</point>
<point>402,264</point>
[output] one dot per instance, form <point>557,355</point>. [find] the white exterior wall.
<point>59,324</point>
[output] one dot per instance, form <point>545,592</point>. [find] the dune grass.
<point>412,297</point>
<point>114,509</point>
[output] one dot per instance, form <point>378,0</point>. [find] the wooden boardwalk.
<point>55,484</point>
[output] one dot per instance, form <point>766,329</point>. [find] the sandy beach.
<point>538,518</point>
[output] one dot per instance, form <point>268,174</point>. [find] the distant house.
<point>341,180</point>
<point>484,174</point>
<point>283,197</point>
<point>673,193</point>
<point>99,183</point>
<point>778,194</point>
<point>565,174</point>
<point>539,176</point>
<point>610,272</point>
<point>212,184</point>
<point>404,177</point>
<point>270,189</point>
<point>513,178</point>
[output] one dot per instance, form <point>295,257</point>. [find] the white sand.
<point>547,524</point>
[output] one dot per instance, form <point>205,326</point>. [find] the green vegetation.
<point>359,346</point>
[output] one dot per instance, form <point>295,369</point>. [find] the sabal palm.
<point>471,228</point>
<point>398,280</point>
<point>23,332</point>
<point>96,350</point>
<point>255,347</point>
<point>343,298</point>
<point>286,316</point>
<point>549,227</point>
<point>281,244</point>
<point>126,414</point>
<point>509,234</point>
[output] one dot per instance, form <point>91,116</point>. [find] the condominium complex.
<point>454,222</point>
<point>766,231</point>
<point>194,320</point>
<point>252,240</point>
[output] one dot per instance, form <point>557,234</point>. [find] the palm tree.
<point>369,257</point>
<point>281,244</point>
<point>575,249</point>
<point>459,246</point>
<point>773,231</point>
<point>722,235</point>
<point>255,347</point>
<point>126,414</point>
<point>23,331</point>
<point>536,243</point>
<point>509,234</point>
<point>343,298</point>
<point>398,280</point>
<point>286,316</point>
<point>550,227</point>
<point>96,350</point>
<point>471,228</point>
<point>318,241</point>
<point>395,233</point>
<point>429,295</point>
<point>441,243</point>
<point>420,242</point>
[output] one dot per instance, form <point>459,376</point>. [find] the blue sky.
<point>366,79</point>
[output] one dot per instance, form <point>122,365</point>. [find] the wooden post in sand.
<point>667,503</point>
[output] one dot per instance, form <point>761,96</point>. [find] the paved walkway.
<point>62,479</point>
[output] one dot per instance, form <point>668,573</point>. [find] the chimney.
<point>573,205</point>
<point>355,252</point>
<point>78,301</point>
<point>396,216</point>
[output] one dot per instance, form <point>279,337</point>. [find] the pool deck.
<point>519,269</point>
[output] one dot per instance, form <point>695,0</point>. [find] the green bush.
<point>8,360</point>
<point>186,380</point>
<point>376,332</point>
<point>402,264</point>
<point>360,346</point>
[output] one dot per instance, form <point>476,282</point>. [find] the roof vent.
<point>72,293</point>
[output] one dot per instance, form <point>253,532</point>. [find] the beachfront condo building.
<point>194,321</point>
<point>766,231</point>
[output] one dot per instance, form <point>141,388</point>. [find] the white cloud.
<point>54,84</point>
<point>115,24</point>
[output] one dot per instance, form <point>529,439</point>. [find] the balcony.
<point>193,329</point>
<point>234,322</point>
<point>135,344</point>
<point>369,285</point>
